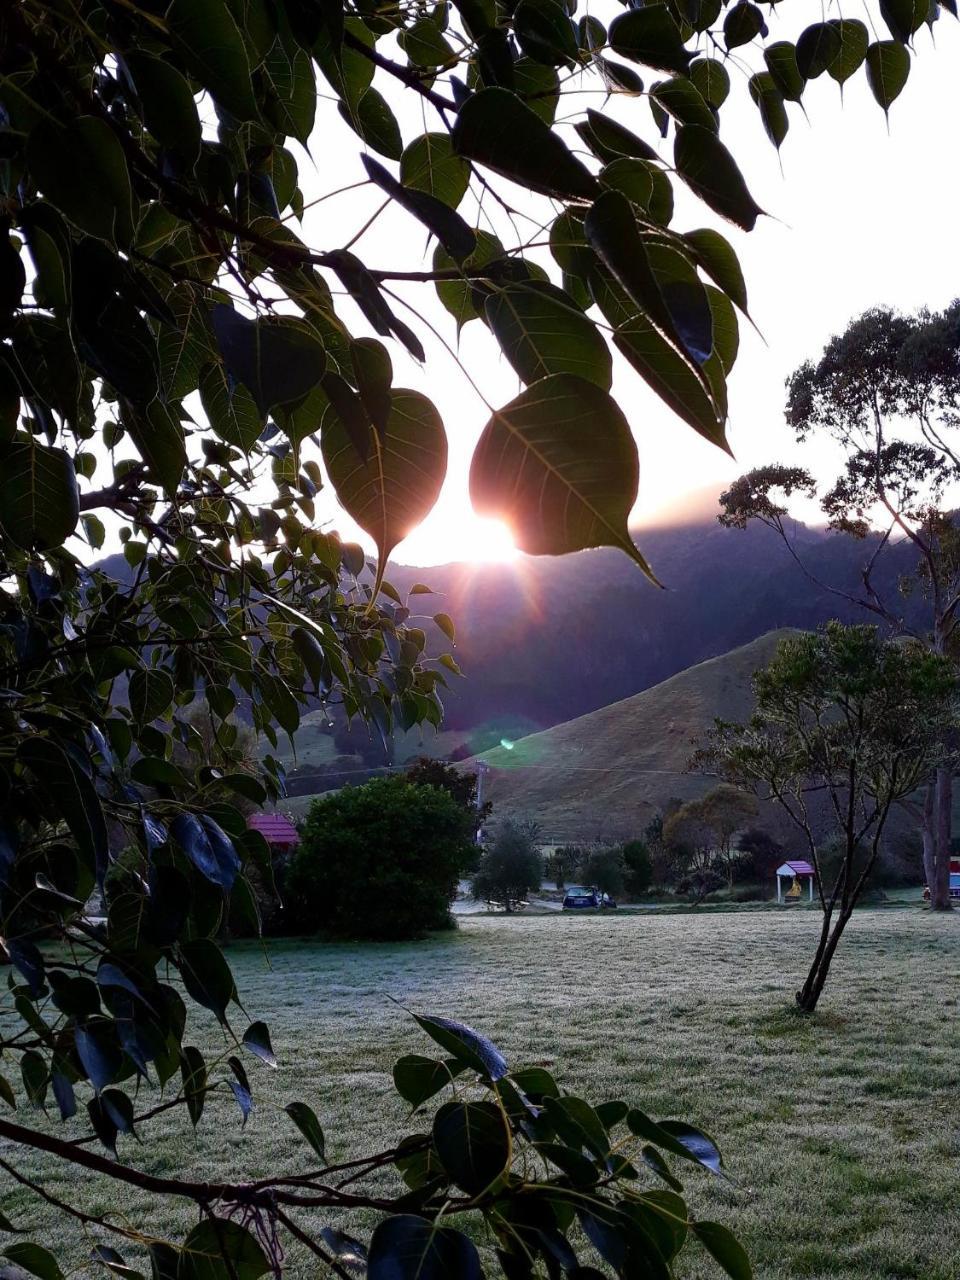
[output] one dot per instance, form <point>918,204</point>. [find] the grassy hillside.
<point>603,775</point>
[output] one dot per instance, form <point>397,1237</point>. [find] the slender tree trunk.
<point>943,824</point>
<point>812,989</point>
<point>929,836</point>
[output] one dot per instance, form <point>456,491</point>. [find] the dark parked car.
<point>577,899</point>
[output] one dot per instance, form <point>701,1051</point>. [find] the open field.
<point>843,1133</point>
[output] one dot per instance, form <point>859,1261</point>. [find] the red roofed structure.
<point>278,831</point>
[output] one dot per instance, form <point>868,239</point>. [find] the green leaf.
<point>538,86</point>
<point>446,625</point>
<point>711,80</point>
<point>73,795</point>
<point>888,66</point>
<point>577,1124</point>
<point>468,1046</point>
<point>497,130</point>
<point>764,92</point>
<point>724,1248</point>
<point>159,439</point>
<point>291,89</point>
<point>458,295</point>
<point>445,223</point>
<point>609,140</point>
<point>184,347</point>
<point>418,1079</point>
<point>256,1039</point>
<point>545,33</point>
<point>686,390</point>
<point>904,17</point>
<point>231,410</point>
<point>374,122</point>
<point>854,39</point>
<point>650,35</point>
<point>680,97</point>
<point>743,23</point>
<point>407,1247</point>
<point>151,691</point>
<point>662,282</point>
<point>206,976</point>
<point>541,331</point>
<point>817,48</point>
<point>169,110</point>
<point>391,491</point>
<point>559,465</point>
<point>279,359</point>
<point>39,500</point>
<point>719,260</point>
<point>209,39</point>
<point>80,167</point>
<point>781,60</point>
<point>430,164</point>
<point>154,771</point>
<point>308,1124</point>
<point>425,46</point>
<point>472,1140</point>
<point>711,172</point>
<point>35,1259</point>
<point>220,1249</point>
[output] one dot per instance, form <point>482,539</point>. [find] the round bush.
<point>381,860</point>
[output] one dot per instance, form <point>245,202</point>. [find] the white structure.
<point>795,872</point>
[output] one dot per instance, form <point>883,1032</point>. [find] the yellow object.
<point>794,890</point>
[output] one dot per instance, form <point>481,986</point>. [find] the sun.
<point>458,535</point>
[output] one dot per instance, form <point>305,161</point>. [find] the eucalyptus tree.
<point>887,391</point>
<point>846,725</point>
<point>183,368</point>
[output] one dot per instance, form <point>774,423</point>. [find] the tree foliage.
<point>887,391</point>
<point>511,868</point>
<point>175,348</point>
<point>850,723</point>
<point>381,860</point>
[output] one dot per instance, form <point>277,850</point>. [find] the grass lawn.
<point>842,1132</point>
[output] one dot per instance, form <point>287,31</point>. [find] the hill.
<point>603,776</point>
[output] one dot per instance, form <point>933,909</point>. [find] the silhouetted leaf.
<point>711,80</point>
<point>256,1038</point>
<point>213,48</point>
<point>854,39</point>
<point>81,168</point>
<point>220,1249</point>
<point>711,172</point>
<point>430,164</point>
<point>473,1142</point>
<point>888,66</point>
<point>781,60</point>
<point>278,358</point>
<point>559,465</point>
<point>650,35</point>
<point>496,129</point>
<point>35,1259</point>
<point>417,1078</point>
<point>724,1248</point>
<point>151,691</point>
<point>541,331</point>
<point>206,975</point>
<point>439,218</point>
<point>306,1121</point>
<point>467,1046</point>
<point>39,501</point>
<point>769,100</point>
<point>406,1247</point>
<point>817,48</point>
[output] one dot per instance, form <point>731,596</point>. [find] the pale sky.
<point>860,217</point>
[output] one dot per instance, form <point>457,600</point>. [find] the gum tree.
<point>887,390</point>
<point>846,726</point>
<point>188,356</point>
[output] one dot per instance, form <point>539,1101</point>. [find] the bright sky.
<point>860,217</point>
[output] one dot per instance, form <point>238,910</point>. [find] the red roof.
<point>800,868</point>
<point>275,828</point>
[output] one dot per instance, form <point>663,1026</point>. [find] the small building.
<point>796,873</point>
<point>279,832</point>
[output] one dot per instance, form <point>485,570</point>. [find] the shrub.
<point>604,871</point>
<point>381,860</point>
<point>511,868</point>
<point>700,884</point>
<point>637,868</point>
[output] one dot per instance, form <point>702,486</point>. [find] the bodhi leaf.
<point>888,66</point>
<point>542,331</point>
<point>711,172</point>
<point>609,140</point>
<point>817,48</point>
<point>650,35</point>
<point>81,169</point>
<point>39,500</point>
<point>304,1117</point>
<point>718,259</point>
<point>545,33</point>
<point>854,39</point>
<point>209,39</point>
<point>220,1249</point>
<point>407,1247</point>
<point>278,359</point>
<point>473,1143</point>
<point>559,465</point>
<point>439,218</point>
<point>497,130</point>
<point>769,100</point>
<point>781,60</point>
<point>430,164</point>
<point>724,1248</point>
<point>394,488</point>
<point>457,295</point>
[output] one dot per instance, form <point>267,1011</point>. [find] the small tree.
<point>605,871</point>
<point>637,868</point>
<point>566,861</point>
<point>380,860</point>
<point>760,853</point>
<point>853,721</point>
<point>726,810</point>
<point>511,869</point>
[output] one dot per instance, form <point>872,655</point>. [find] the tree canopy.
<point>850,723</point>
